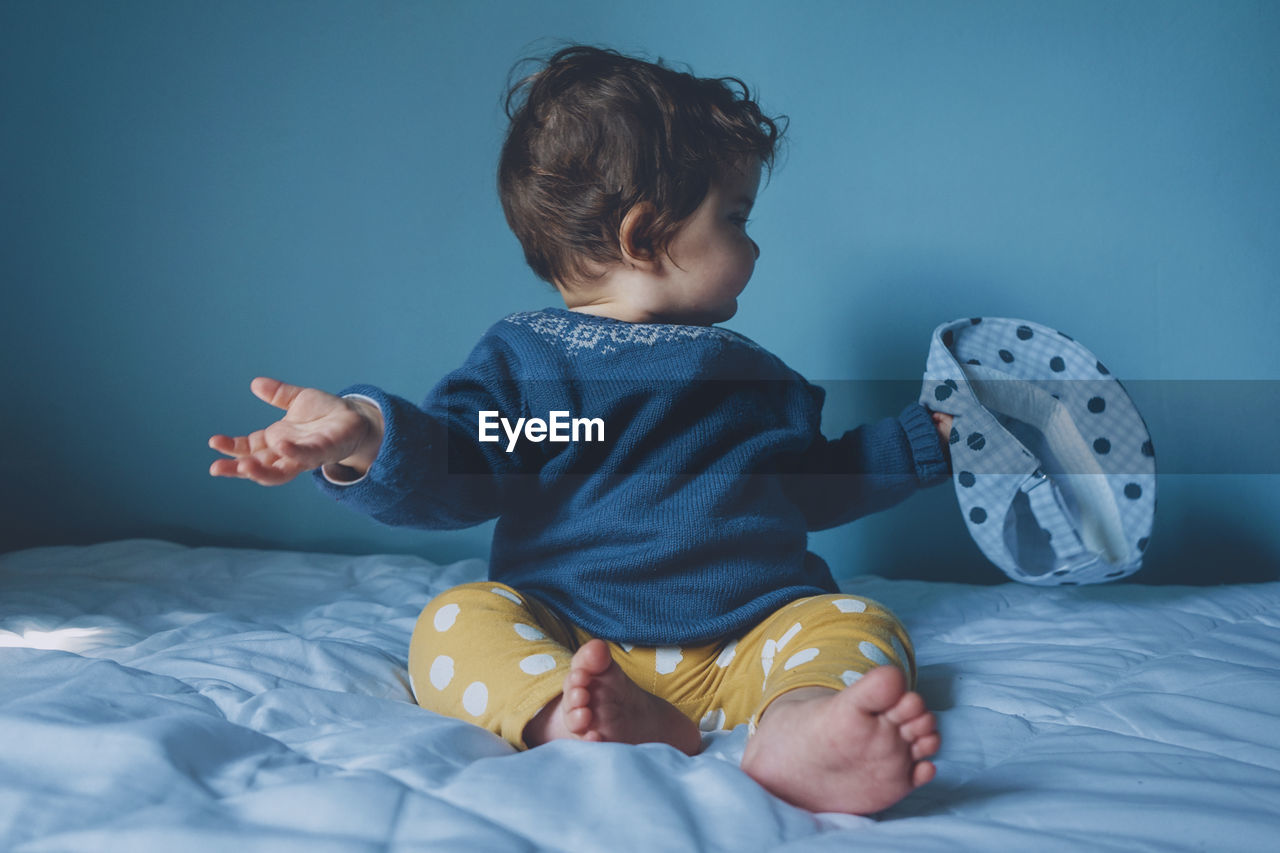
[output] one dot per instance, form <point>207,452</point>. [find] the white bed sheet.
<point>155,697</point>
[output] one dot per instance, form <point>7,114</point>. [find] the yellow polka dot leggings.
<point>484,653</point>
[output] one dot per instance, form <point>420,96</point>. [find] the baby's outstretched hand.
<point>317,429</point>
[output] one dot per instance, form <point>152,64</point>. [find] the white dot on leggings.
<point>666,659</point>
<point>850,605</point>
<point>529,632</point>
<point>800,657</point>
<point>791,632</point>
<point>726,656</point>
<point>712,721</point>
<point>849,676</point>
<point>445,617</point>
<point>766,655</point>
<point>538,664</point>
<point>871,653</point>
<point>441,672</point>
<point>507,594</point>
<point>475,698</point>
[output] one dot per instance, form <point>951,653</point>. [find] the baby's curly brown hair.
<point>594,133</point>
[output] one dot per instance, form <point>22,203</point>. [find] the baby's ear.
<point>635,235</point>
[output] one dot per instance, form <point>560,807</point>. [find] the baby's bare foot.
<point>856,751</point>
<point>600,703</point>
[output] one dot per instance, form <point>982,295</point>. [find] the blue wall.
<point>196,193</point>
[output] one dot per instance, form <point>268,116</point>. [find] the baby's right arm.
<point>318,429</point>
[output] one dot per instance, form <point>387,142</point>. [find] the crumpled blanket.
<point>154,696</point>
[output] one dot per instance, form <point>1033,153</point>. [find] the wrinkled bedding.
<point>156,697</point>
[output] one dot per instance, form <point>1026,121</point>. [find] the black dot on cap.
<point>976,441</point>
<point>1006,356</point>
<point>1133,491</point>
<point>1147,449</point>
<point>955,436</point>
<point>948,338</point>
<point>1142,543</point>
<point>1024,333</point>
<point>1103,370</point>
<point>1056,364</point>
<point>1097,405</point>
<point>977,515</point>
<point>967,479</point>
<point>973,361</point>
<point>1102,447</point>
<point>973,321</point>
<point>942,392</point>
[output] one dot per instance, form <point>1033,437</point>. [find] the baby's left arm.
<point>872,467</point>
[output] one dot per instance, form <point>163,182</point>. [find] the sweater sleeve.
<point>869,468</point>
<point>432,469</point>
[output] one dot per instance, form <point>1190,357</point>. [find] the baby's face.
<point>712,254</point>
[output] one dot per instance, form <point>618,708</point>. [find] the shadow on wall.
<point>1200,538</point>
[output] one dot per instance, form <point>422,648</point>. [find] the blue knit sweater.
<point>688,521</point>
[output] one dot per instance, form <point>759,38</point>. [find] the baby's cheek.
<point>746,264</point>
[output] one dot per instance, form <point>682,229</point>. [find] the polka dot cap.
<point>1053,466</point>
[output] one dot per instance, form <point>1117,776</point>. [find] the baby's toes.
<point>919,727</point>
<point>906,709</point>
<point>877,692</point>
<point>593,658</point>
<point>923,773</point>
<point>576,697</point>
<point>578,720</point>
<point>925,746</point>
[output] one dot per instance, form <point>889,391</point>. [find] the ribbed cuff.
<point>927,453</point>
<point>324,472</point>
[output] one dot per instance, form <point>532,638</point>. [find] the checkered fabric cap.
<point>1052,464</point>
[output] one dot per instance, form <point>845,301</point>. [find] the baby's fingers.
<point>224,468</point>
<point>304,454</point>
<point>276,474</point>
<point>273,473</point>
<point>273,391</point>
<point>240,445</point>
<point>229,446</point>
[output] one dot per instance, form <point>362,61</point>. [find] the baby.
<point>653,475</point>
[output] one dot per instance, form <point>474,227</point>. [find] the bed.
<point>158,697</point>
